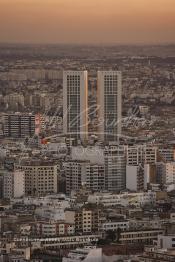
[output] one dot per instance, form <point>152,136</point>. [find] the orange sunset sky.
<point>87,21</point>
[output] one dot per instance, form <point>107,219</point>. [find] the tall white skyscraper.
<point>75,104</point>
<point>109,104</point>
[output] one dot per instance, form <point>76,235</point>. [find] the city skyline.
<point>96,22</point>
<point>87,130</point>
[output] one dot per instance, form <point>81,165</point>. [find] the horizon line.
<point>90,43</point>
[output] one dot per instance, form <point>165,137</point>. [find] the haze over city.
<point>77,21</point>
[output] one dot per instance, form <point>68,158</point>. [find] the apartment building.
<point>140,236</point>
<point>19,125</point>
<point>40,177</point>
<point>83,173</point>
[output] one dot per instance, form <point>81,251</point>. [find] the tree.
<point>111,235</point>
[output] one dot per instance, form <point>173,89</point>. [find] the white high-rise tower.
<point>75,100</point>
<point>109,104</point>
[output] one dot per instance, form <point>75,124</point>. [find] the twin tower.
<point>109,104</point>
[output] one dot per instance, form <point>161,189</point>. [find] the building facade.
<point>13,184</point>
<point>83,173</point>
<point>40,177</point>
<point>109,100</point>
<point>75,100</point>
<point>115,168</point>
<point>19,125</point>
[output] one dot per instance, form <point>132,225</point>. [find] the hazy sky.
<point>87,21</point>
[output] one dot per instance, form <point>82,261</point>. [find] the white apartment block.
<point>141,154</point>
<point>115,168</point>
<point>79,173</point>
<point>169,175</point>
<point>19,184</point>
<point>75,172</point>
<point>75,104</point>
<point>53,228</point>
<point>13,184</point>
<point>166,241</point>
<point>114,225</point>
<point>59,201</point>
<point>124,199</point>
<point>134,178</point>
<point>50,213</point>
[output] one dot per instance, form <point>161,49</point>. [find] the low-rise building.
<point>140,236</point>
<point>114,225</point>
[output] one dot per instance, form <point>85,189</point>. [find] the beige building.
<point>40,177</point>
<point>87,220</point>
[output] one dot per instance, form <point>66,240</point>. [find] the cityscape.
<point>87,145</point>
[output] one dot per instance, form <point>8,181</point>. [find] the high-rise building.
<point>149,175</point>
<point>109,99</point>
<point>134,178</point>
<point>1,183</point>
<point>75,100</point>
<point>140,160</point>
<point>169,175</point>
<point>115,168</point>
<point>19,125</point>
<point>13,184</point>
<point>79,173</point>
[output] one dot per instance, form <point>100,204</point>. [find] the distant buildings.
<point>124,199</point>
<point>19,125</point>
<point>119,192</point>
<point>96,168</point>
